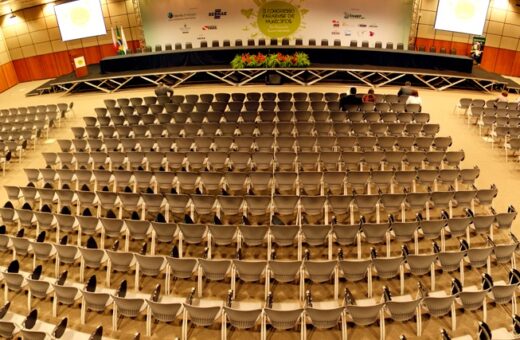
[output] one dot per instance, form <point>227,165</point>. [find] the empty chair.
<point>163,312</point>
<point>365,315</point>
<point>200,316</point>
<point>126,307</point>
<point>284,319</point>
<point>240,318</point>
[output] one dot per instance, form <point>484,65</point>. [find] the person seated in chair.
<point>414,98</point>
<point>406,90</point>
<point>163,90</point>
<point>350,99</point>
<point>369,97</point>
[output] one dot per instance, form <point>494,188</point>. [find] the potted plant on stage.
<point>271,61</point>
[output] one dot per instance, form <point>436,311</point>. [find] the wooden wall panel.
<point>3,80</point>
<point>92,54</point>
<point>489,58</point>
<point>504,61</point>
<point>462,48</point>
<point>22,72</point>
<point>515,70</point>
<point>63,62</point>
<point>10,74</point>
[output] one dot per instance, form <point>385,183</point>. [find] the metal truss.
<point>303,77</point>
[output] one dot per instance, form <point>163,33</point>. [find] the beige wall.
<point>4,53</point>
<point>502,28</point>
<point>34,31</point>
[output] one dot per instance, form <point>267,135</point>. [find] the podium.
<point>80,67</point>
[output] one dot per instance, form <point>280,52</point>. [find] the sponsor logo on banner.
<point>217,13</point>
<point>172,16</point>
<point>209,27</point>
<point>348,33</point>
<point>373,26</point>
<point>185,29</point>
<point>362,25</point>
<point>371,33</point>
<point>335,23</point>
<point>335,33</point>
<point>351,15</point>
<point>201,37</point>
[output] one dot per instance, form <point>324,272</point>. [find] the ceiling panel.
<point>16,5</point>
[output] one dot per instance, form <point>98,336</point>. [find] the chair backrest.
<point>158,48</point>
<point>390,45</point>
<point>250,42</point>
<point>226,43</point>
<point>353,43</point>
<point>202,316</point>
<point>261,42</point>
<point>298,42</point>
<point>188,45</point>
<point>203,44</point>
<point>312,42</point>
<point>273,42</point>
<point>337,42</point>
<point>178,46</point>
<point>168,47</point>
<point>324,42</point>
<point>433,49</point>
<point>285,41</point>
<point>238,42</point>
<point>364,43</point>
<point>378,44</point>
<point>400,46</point>
<point>215,43</point>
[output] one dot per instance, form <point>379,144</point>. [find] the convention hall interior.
<point>259,169</point>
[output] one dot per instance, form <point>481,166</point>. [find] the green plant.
<point>274,60</point>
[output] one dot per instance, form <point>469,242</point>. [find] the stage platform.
<point>379,76</point>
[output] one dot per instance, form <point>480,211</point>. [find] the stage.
<point>478,79</point>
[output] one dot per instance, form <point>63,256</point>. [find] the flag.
<point>120,47</point>
<point>123,38</point>
<point>114,42</point>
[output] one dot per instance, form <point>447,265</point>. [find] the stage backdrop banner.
<point>182,21</point>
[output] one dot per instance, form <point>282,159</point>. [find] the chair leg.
<point>453,317</point>
<point>29,300</point>
<point>148,321</point>
<point>83,311</point>
<point>114,318</point>
<point>55,305</point>
<point>136,279</point>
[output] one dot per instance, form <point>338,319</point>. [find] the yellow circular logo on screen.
<point>464,9</point>
<point>278,19</point>
<point>80,16</point>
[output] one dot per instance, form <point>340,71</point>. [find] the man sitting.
<point>350,99</point>
<point>406,90</point>
<point>163,90</point>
